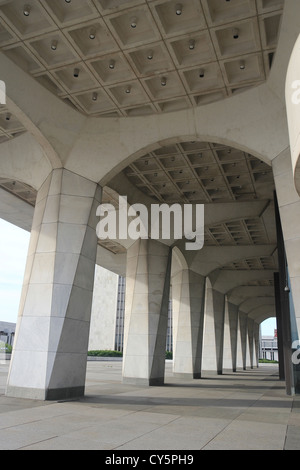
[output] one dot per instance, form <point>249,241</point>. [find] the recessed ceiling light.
<point>133,22</point>
<point>178,9</point>
<point>26,11</point>
<point>92,34</point>
<point>192,44</point>
<point>235,33</point>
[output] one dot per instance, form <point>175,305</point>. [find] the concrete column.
<point>250,329</point>
<point>212,351</point>
<point>50,349</point>
<point>289,208</point>
<point>288,235</point>
<point>279,320</point>
<point>243,338</point>
<point>256,328</point>
<point>146,312</point>
<point>188,289</point>
<point>239,355</point>
<point>230,336</point>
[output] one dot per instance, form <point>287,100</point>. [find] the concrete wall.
<point>103,318</point>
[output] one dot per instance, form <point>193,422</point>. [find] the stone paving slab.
<point>246,410</point>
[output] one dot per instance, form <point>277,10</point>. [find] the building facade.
<point>7,333</point>
<point>269,348</point>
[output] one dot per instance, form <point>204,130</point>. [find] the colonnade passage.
<point>162,103</point>
<point>220,293</point>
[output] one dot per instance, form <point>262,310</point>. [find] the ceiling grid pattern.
<point>140,57</point>
<point>201,172</point>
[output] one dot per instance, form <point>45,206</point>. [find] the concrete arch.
<point>241,293</point>
<point>23,159</point>
<point>178,138</point>
<point>40,112</point>
<point>226,280</point>
<point>292,96</point>
<point>213,259</point>
<point>17,202</point>
<point>262,313</point>
<point>250,304</point>
<point>178,261</point>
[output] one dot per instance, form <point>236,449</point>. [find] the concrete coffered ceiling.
<point>201,172</point>
<point>139,57</point>
<point>127,58</point>
<point>214,174</point>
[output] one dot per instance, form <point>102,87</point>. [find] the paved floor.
<point>245,410</point>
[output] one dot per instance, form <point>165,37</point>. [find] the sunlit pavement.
<point>247,410</point>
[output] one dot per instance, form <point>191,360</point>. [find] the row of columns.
<point>49,356</point>
<point>209,333</point>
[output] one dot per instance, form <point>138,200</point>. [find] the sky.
<point>13,252</point>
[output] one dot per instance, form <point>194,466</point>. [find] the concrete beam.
<point>211,258</point>
<point>239,294</point>
<point>226,280</point>
<point>250,304</point>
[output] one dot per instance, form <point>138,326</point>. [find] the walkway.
<point>245,410</point>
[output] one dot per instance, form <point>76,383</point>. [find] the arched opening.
<point>269,340</point>
<point>239,255</point>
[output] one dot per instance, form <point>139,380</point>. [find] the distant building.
<point>104,308</point>
<point>120,314</point>
<point>108,313</point>
<point>7,332</point>
<point>269,348</point>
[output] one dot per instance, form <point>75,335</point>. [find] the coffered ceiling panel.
<point>201,172</point>
<point>218,12</point>
<point>68,12</point>
<point>170,55</point>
